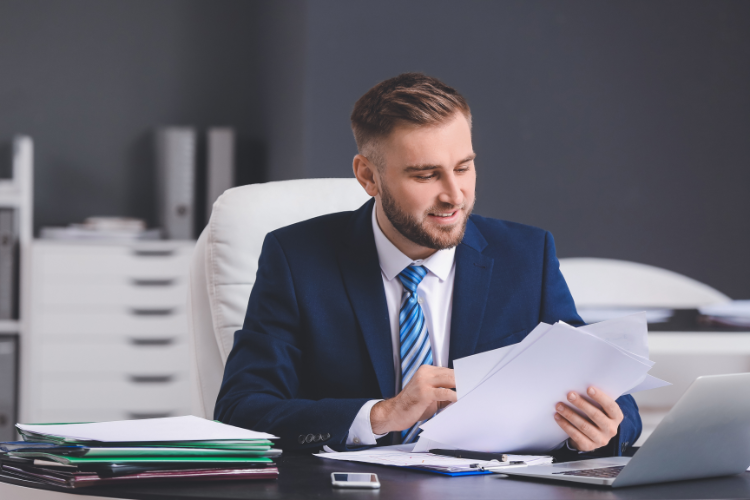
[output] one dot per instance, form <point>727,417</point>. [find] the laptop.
<point>706,434</point>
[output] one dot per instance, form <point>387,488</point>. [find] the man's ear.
<point>365,172</point>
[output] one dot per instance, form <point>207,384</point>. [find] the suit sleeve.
<point>558,305</point>
<point>262,374</point>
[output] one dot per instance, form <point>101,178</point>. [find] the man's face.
<point>427,182</point>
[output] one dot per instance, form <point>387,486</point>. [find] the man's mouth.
<point>445,217</point>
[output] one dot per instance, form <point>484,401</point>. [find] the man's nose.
<point>452,193</point>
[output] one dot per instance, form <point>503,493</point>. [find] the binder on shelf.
<point>220,165</point>
<point>7,263</point>
<point>176,169</point>
<point>8,381</point>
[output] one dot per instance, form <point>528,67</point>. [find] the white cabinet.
<point>107,328</point>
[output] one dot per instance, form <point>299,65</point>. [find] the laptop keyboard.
<point>603,472</point>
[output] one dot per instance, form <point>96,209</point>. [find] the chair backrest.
<point>618,283</point>
<point>225,262</point>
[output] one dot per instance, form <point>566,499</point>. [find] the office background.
<point>623,127</point>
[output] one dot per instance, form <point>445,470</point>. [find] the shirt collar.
<point>393,261</point>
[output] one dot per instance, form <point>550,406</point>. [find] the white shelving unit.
<point>17,193</point>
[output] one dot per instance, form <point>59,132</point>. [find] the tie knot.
<point>412,276</point>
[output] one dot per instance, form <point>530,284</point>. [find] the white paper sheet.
<point>650,382</point>
<point>512,352</point>
<point>424,445</point>
<point>187,428</point>
<point>402,455</point>
<point>512,409</point>
<point>628,332</point>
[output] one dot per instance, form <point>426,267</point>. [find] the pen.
<point>474,455</point>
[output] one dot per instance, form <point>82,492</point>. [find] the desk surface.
<point>305,476</point>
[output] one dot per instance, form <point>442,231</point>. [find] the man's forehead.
<point>426,146</point>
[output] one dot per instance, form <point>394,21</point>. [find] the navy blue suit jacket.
<point>316,342</point>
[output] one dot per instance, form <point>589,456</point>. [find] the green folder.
<point>148,452</point>
<point>130,459</point>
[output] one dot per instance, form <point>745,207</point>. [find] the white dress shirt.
<point>435,294</point>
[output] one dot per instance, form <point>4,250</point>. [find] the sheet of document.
<point>187,428</point>
<point>424,445</point>
<point>512,410</point>
<point>628,332</point>
<point>473,370</point>
<point>402,455</point>
<point>650,382</point>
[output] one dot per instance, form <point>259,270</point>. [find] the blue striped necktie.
<point>415,340</point>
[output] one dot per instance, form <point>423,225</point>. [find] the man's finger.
<point>442,394</point>
<point>609,405</point>
<point>441,377</point>
<point>588,428</point>
<point>433,376</point>
<point>594,413</point>
<point>581,442</point>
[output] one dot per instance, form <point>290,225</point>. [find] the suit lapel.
<point>470,290</point>
<point>364,285</point>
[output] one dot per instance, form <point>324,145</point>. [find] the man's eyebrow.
<point>420,168</point>
<point>468,158</point>
<point>425,167</point>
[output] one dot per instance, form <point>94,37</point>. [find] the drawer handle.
<point>151,342</point>
<point>143,252</point>
<point>151,379</point>
<point>138,416</point>
<point>137,311</point>
<point>153,282</point>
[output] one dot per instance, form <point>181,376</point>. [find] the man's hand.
<point>427,391</point>
<point>588,434</point>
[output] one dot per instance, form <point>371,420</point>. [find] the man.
<point>355,318</point>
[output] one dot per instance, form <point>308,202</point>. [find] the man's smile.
<point>448,217</point>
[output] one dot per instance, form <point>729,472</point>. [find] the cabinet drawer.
<point>130,359</point>
<point>112,392</point>
<point>116,295</point>
<point>154,260</point>
<point>164,323</point>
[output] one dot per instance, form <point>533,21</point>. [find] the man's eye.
<point>425,177</point>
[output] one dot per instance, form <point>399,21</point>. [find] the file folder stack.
<point>164,449</point>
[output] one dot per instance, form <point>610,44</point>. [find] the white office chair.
<point>618,283</point>
<point>226,259</point>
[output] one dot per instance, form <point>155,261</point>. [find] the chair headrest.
<point>240,220</point>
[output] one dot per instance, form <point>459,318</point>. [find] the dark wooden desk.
<point>305,477</point>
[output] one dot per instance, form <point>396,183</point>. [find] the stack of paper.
<point>402,456</point>
<point>507,397</point>
<point>76,455</point>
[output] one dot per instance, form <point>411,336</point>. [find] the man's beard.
<point>441,237</point>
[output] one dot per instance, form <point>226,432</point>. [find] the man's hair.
<point>407,98</point>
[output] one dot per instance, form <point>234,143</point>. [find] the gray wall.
<point>89,81</point>
<point>623,127</point>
